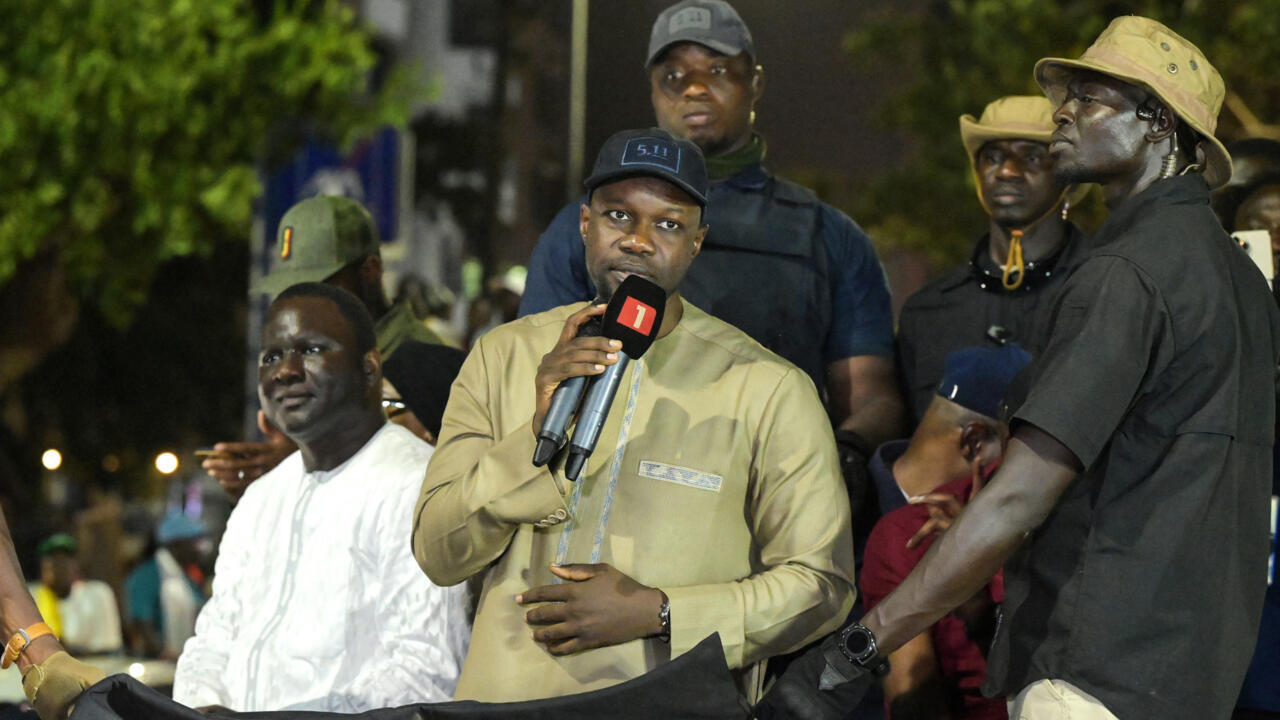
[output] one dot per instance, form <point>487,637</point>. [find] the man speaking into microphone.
<point>712,502</point>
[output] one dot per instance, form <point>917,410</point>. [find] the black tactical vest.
<point>764,269</point>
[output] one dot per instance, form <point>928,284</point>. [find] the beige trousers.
<point>1056,700</point>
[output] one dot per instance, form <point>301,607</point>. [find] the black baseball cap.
<point>424,374</point>
<point>653,152</point>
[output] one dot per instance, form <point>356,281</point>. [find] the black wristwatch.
<point>851,654</point>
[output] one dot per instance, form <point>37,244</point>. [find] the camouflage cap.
<point>317,238</point>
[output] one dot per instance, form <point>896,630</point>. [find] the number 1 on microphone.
<point>637,315</point>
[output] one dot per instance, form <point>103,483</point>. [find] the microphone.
<point>634,316</point>
<point>555,426</point>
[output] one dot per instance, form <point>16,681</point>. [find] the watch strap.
<point>21,639</point>
<point>664,616</point>
<point>838,669</point>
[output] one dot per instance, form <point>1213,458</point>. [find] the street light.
<point>51,459</point>
<point>166,463</point>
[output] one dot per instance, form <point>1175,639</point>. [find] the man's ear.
<point>1163,121</point>
<point>584,218</point>
<point>757,83</point>
<point>979,440</point>
<point>371,368</point>
<point>697,240</point>
<point>371,271</point>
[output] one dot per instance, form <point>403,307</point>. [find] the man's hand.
<point>943,508</point>
<point>53,685</point>
<point>599,606</point>
<point>238,464</point>
<point>571,357</point>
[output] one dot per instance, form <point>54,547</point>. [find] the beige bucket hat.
<point>1013,117</point>
<point>1149,55</point>
<point>1016,117</point>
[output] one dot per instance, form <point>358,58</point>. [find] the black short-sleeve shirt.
<point>956,311</point>
<point>1144,586</point>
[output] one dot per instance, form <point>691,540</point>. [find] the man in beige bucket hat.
<point>1005,291</point>
<point>1130,513</point>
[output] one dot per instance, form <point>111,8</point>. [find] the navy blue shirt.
<point>794,273</point>
<point>888,492</point>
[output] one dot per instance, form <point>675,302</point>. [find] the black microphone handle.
<point>595,410</point>
<point>555,426</point>
<point>564,401</point>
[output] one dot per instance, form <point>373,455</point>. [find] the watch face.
<point>859,642</point>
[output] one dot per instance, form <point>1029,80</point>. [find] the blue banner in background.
<point>369,173</point>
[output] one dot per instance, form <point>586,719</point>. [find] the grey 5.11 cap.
<point>713,23</point>
<point>653,152</point>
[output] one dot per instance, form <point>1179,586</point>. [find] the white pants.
<point>1056,700</point>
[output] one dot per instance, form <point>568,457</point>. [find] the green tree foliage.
<point>131,130</point>
<point>958,55</point>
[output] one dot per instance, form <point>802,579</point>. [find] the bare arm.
<point>864,397</point>
<point>17,609</point>
<point>51,679</point>
<point>1037,469</point>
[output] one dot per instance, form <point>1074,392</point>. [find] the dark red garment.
<point>888,562</point>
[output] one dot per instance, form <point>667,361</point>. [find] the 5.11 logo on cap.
<point>637,316</point>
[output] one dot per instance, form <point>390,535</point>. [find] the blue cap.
<point>177,526</point>
<point>978,377</point>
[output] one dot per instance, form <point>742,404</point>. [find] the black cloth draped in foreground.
<point>695,686</point>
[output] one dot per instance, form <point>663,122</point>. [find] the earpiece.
<point>1155,113</point>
